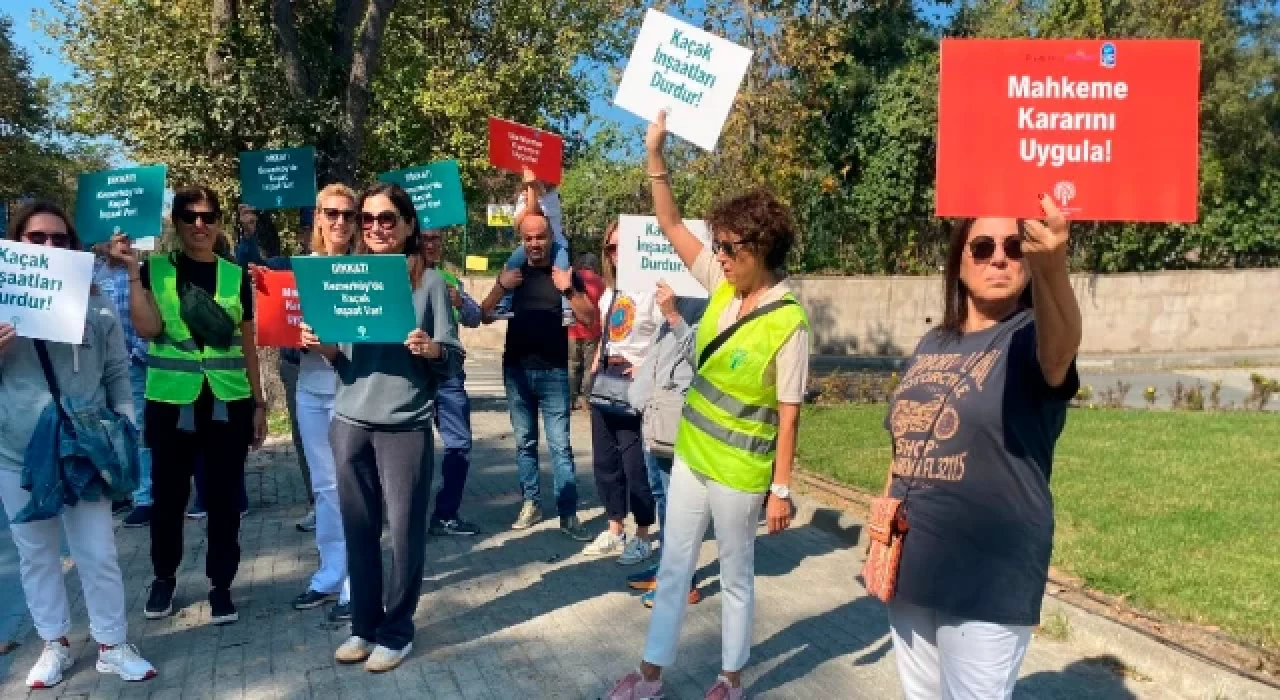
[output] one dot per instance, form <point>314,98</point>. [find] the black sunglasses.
<point>384,219</point>
<point>729,248</point>
<point>343,214</point>
<point>40,238</point>
<point>611,248</point>
<point>188,216</point>
<point>983,248</point>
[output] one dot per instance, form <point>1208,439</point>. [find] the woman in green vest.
<point>737,437</point>
<point>204,395</point>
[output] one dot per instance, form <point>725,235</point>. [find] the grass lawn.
<point>1180,512</point>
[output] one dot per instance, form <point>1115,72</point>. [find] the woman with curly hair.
<point>737,437</point>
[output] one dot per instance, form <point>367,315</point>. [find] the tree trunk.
<point>295,70</point>
<point>364,62</point>
<point>217,60</point>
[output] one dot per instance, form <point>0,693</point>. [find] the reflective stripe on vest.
<point>729,423</point>
<point>177,368</point>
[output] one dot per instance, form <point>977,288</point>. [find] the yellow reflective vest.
<point>729,424</point>
<point>176,366</point>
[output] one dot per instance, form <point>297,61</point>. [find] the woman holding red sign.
<point>974,421</point>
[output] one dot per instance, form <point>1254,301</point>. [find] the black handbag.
<point>609,388</point>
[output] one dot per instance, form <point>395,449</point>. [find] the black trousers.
<point>376,466</point>
<point>622,478</point>
<point>222,446</point>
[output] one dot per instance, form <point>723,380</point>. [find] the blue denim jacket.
<point>86,451</point>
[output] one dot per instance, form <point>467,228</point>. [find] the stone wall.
<point>1155,312</point>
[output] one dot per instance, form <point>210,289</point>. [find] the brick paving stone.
<point>502,614</point>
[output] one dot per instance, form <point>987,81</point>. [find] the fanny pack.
<point>209,323</point>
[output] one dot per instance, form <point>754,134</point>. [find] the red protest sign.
<point>512,146</point>
<point>1109,129</point>
<point>277,312</point>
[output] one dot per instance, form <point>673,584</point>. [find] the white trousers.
<point>315,413</point>
<point>92,538</point>
<point>693,501</point>
<point>943,657</point>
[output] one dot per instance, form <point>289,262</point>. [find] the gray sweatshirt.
<point>382,386</point>
<point>669,363</point>
<point>96,370</point>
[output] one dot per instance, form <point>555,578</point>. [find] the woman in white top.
<point>334,234</point>
<point>622,480</point>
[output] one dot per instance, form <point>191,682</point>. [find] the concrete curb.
<point>1144,656</point>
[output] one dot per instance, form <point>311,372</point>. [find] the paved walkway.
<point>503,615</point>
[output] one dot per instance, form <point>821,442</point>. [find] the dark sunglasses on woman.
<point>983,248</point>
<point>344,214</point>
<point>384,219</point>
<point>40,238</point>
<point>190,217</point>
<point>729,248</point>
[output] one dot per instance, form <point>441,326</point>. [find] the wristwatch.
<point>780,490</point>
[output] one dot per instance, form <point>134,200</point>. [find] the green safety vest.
<point>453,281</point>
<point>729,425</point>
<point>176,367</point>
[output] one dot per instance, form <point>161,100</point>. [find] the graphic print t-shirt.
<point>630,323</point>
<point>974,425</point>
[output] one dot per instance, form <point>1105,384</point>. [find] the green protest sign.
<point>128,200</point>
<point>436,190</point>
<point>283,178</point>
<point>356,298</point>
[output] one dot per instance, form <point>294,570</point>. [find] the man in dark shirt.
<point>535,370</point>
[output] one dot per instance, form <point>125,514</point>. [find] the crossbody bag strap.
<point>888,484</point>
<point>725,334</point>
<point>604,326</point>
<point>49,377</point>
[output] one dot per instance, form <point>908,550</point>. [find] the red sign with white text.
<point>512,146</point>
<point>276,309</point>
<point>1109,129</point>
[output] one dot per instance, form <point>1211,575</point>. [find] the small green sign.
<point>128,201</point>
<point>436,190</point>
<point>283,178</point>
<point>356,298</point>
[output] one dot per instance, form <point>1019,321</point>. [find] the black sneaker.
<point>160,602</point>
<point>221,610</point>
<point>340,613</point>
<point>572,527</point>
<point>312,599</point>
<point>140,517</point>
<point>457,526</point>
<point>118,507</point>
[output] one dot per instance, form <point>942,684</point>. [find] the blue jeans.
<point>659,483</point>
<point>453,421</point>
<point>547,390</point>
<point>138,380</point>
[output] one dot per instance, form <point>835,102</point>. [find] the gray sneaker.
<point>530,515</point>
<point>572,527</point>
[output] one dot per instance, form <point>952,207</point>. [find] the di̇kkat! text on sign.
<point>44,291</point>
<point>126,200</point>
<point>436,191</point>
<point>645,257</point>
<point>513,146</point>
<point>1108,128</point>
<point>692,74</point>
<point>356,298</point>
<point>282,178</point>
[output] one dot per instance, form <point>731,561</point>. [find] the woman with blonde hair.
<point>334,233</point>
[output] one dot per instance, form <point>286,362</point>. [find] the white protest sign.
<point>692,74</point>
<point>645,256</point>
<point>147,244</point>
<point>44,291</point>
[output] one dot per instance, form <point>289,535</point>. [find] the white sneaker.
<point>606,544</point>
<point>636,551</point>
<point>384,659</point>
<point>125,661</point>
<point>55,660</point>
<point>353,651</point>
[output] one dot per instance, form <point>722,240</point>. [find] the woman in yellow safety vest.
<point>737,436</point>
<point>204,395</point>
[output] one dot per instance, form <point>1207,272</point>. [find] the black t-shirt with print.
<point>536,335</point>
<point>974,425</point>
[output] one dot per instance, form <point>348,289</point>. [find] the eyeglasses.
<point>188,216</point>
<point>983,248</point>
<point>729,248</point>
<point>59,238</point>
<point>431,240</point>
<point>344,214</point>
<point>384,219</point>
